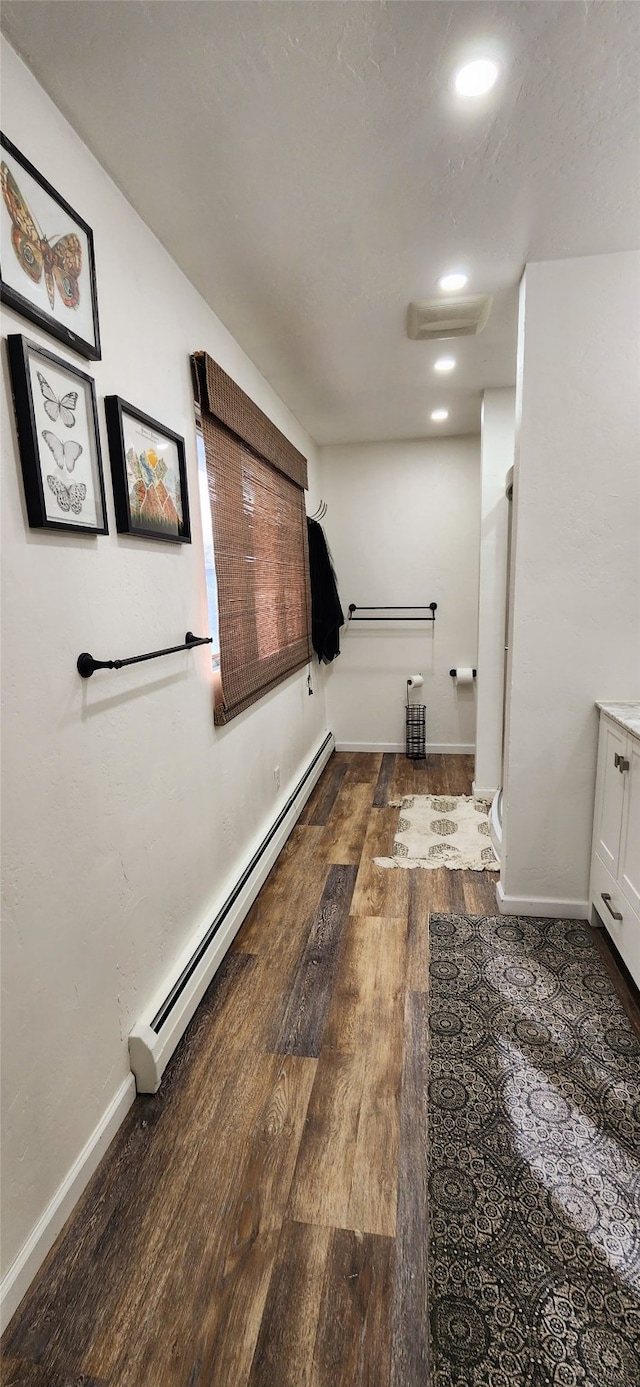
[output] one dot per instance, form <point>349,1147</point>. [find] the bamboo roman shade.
<point>256,479</point>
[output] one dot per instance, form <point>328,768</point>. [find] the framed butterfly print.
<point>57,421</point>
<point>149,475</point>
<point>47,267</point>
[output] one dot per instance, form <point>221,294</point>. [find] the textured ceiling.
<point>308,167</point>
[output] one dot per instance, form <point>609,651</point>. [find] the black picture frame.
<point>46,257</point>
<point>59,440</point>
<point>148,489</point>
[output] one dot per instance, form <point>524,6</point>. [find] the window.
<point>255,487</point>
<point>207,538</point>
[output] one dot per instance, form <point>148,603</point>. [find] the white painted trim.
<point>41,1239</point>
<point>543,907</point>
<point>495,825</point>
<point>479,793</point>
<point>433,748</point>
<point>149,1050</point>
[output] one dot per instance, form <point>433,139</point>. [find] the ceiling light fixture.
<point>444,363</point>
<point>476,78</point>
<point>451,282</point>
<point>439,415</point>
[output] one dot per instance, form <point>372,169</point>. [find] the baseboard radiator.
<point>155,1036</point>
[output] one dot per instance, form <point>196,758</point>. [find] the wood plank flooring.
<point>260,1221</point>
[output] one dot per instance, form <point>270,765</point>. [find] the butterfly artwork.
<point>61,464</point>
<point>69,497</point>
<point>66,454</point>
<point>47,263</point>
<point>63,408</point>
<point>59,261</point>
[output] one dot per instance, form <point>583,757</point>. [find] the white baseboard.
<point>41,1239</point>
<point>370,746</point>
<point>433,748</point>
<point>451,748</point>
<point>479,793</point>
<point>543,906</point>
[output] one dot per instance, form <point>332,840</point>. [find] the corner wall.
<point>403,525</point>
<point>575,589</point>
<point>497,450</point>
<point>126,813</point>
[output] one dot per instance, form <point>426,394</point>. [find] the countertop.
<point>626,715</point>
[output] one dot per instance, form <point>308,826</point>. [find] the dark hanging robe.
<point>326,612</point>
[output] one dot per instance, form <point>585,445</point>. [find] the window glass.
<point>209,562</point>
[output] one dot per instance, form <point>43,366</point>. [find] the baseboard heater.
<point>155,1036</point>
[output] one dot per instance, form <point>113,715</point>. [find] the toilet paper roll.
<point>415,681</point>
<point>464,677</point>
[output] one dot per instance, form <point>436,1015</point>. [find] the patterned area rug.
<point>534,1276</point>
<point>442,831</point>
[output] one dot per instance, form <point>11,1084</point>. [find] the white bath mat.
<point>442,831</point>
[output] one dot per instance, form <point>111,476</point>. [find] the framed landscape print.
<point>57,420</point>
<point>47,268</point>
<point>149,474</point>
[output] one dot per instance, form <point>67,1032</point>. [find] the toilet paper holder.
<point>453,673</point>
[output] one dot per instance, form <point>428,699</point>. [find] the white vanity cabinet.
<point>614,890</point>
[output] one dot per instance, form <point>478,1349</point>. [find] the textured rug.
<point>442,831</point>
<point>534,1158</point>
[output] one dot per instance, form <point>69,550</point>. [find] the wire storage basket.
<point>416,731</point>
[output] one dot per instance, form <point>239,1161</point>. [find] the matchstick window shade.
<point>256,492</point>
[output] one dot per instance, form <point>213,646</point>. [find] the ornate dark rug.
<point>534,1259</point>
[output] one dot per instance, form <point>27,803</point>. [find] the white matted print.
<point>59,443</point>
<point>153,477</point>
<point>46,256</point>
<point>149,474</point>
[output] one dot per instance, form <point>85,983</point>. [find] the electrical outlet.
<point>276,777</point>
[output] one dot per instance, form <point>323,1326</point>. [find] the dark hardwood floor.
<point>260,1221</point>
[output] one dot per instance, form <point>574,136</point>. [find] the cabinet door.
<point>629,870</point>
<point>609,795</point>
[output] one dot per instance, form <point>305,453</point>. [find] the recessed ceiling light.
<point>444,363</point>
<point>476,78</point>
<point>454,281</point>
<point>439,415</point>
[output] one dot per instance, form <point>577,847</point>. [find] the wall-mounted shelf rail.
<point>86,663</point>
<point>431,607</point>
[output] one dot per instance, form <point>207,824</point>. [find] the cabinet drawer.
<point>625,933</point>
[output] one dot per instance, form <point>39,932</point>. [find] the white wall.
<point>575,633</point>
<point>126,812</point>
<point>497,446</point>
<point>403,525</point>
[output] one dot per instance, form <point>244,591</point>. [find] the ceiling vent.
<point>448,318</point>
